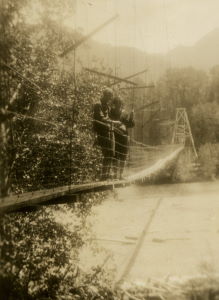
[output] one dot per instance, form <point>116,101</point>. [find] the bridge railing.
<point>49,144</point>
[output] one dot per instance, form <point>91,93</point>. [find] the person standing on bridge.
<point>103,126</point>
<point>118,113</point>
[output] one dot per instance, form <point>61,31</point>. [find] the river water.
<point>182,239</point>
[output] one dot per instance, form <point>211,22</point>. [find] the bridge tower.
<point>182,131</point>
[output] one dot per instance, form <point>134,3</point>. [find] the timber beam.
<point>109,76</point>
<point>59,195</point>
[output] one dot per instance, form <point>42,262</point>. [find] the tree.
<point>49,143</point>
<point>10,20</point>
<point>35,255</point>
<point>213,93</point>
<point>204,122</point>
<point>182,88</point>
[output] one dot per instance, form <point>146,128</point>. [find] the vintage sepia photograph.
<point>109,149</point>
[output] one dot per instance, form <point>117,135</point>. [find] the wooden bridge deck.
<point>69,193</point>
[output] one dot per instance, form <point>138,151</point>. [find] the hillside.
<point>203,55</point>
<point>125,60</point>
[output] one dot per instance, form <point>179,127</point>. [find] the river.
<point>182,239</point>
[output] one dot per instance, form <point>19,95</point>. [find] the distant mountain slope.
<point>203,55</point>
<point>125,60</point>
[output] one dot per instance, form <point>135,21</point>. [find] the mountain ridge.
<point>124,61</point>
<point>202,55</point>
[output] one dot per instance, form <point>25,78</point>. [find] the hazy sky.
<point>151,25</point>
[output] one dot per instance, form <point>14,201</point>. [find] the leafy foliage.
<point>35,252</point>
<point>209,158</point>
<point>50,143</point>
<point>51,127</point>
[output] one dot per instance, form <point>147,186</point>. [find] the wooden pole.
<point>78,43</point>
<point>138,87</point>
<point>130,76</point>
<point>182,129</point>
<point>109,76</point>
<point>190,134</point>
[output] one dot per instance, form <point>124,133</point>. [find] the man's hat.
<point>107,92</point>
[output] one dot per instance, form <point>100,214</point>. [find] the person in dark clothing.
<point>103,126</point>
<point>117,113</point>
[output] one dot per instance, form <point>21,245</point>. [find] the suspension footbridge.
<point>153,164</point>
<point>52,179</point>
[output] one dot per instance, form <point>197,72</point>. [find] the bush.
<point>184,169</point>
<point>36,251</point>
<point>208,158</point>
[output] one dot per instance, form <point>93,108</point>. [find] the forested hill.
<point>202,55</point>
<point>122,60</point>
<point>125,60</point>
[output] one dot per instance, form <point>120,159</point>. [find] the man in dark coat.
<point>117,113</point>
<point>103,126</point>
